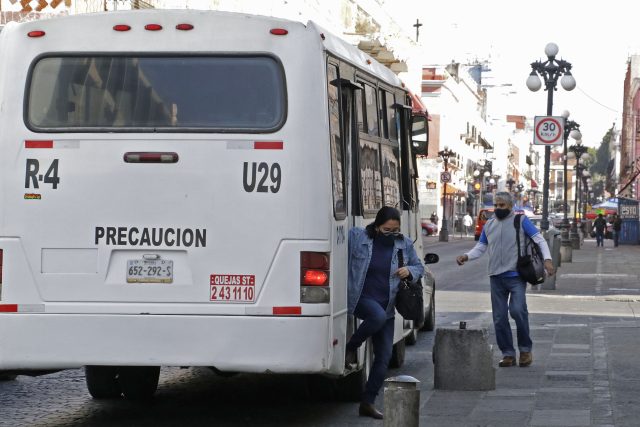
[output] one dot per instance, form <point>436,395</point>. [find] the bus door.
<point>408,172</point>
<point>340,101</point>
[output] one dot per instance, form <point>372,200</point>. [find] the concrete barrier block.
<point>463,360</point>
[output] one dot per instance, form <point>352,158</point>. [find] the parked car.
<point>483,216</point>
<point>429,293</point>
<point>429,228</point>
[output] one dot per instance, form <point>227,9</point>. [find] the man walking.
<point>617,227</point>
<point>467,221</point>
<point>508,290</point>
<point>600,225</point>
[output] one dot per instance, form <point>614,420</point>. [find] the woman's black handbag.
<point>530,261</point>
<point>409,299</point>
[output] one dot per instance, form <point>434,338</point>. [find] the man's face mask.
<point>501,210</point>
<point>502,213</point>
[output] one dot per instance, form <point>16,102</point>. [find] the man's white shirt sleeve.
<point>546,254</point>
<point>478,250</point>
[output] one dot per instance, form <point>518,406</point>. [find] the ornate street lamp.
<point>444,231</point>
<point>519,189</point>
<point>550,70</point>
<point>578,152</point>
<point>510,182</point>
<point>571,129</point>
<point>586,179</point>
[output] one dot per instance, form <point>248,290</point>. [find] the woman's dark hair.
<point>383,215</point>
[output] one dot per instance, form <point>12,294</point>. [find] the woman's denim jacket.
<point>360,247</point>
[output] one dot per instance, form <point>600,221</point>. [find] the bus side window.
<point>371,106</point>
<point>390,176</point>
<point>336,141</point>
<point>392,117</point>
<point>359,108</point>
<point>370,176</point>
<point>382,109</point>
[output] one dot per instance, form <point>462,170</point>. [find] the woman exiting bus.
<point>374,276</point>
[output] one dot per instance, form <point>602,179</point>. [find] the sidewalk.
<point>586,369</point>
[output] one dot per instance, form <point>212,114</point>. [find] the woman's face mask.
<point>388,232</point>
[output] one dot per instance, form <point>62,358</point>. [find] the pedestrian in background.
<point>467,221</point>
<point>434,218</point>
<point>617,227</point>
<point>374,276</point>
<point>508,290</point>
<point>600,225</point>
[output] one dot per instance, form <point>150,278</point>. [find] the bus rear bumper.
<point>230,343</point>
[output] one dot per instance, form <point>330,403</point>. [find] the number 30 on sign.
<point>548,130</point>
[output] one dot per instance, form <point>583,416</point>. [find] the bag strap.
<point>516,224</point>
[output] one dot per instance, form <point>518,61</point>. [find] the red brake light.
<point>121,27</point>
<point>279,32</point>
<point>36,33</point>
<point>153,27</point>
<point>315,278</point>
<point>184,27</point>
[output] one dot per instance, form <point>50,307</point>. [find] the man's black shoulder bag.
<point>409,299</point>
<point>530,260</point>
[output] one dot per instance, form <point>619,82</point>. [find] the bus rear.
<point>166,195</point>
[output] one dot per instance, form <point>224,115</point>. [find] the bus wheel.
<point>397,356</point>
<point>320,388</point>
<point>430,317</point>
<point>139,382</point>
<point>102,381</point>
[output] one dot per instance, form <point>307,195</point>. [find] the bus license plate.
<point>149,271</point>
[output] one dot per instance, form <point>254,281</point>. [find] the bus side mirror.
<point>431,258</point>
<point>419,135</point>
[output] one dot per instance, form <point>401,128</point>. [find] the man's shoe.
<point>368,410</point>
<point>507,361</point>
<point>351,359</point>
<point>525,358</point>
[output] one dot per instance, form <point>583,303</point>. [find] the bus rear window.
<point>156,94</point>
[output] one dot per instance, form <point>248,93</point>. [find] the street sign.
<point>548,130</point>
<point>445,177</point>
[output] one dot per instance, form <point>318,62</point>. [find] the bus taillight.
<point>314,277</point>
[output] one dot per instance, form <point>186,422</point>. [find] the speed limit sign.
<point>548,130</point>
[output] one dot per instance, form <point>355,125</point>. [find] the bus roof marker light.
<point>121,27</point>
<point>184,27</point>
<point>153,27</point>
<point>279,32</point>
<point>36,33</point>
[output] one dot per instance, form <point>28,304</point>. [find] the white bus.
<point>177,187</point>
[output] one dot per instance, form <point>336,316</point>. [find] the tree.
<point>599,168</point>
